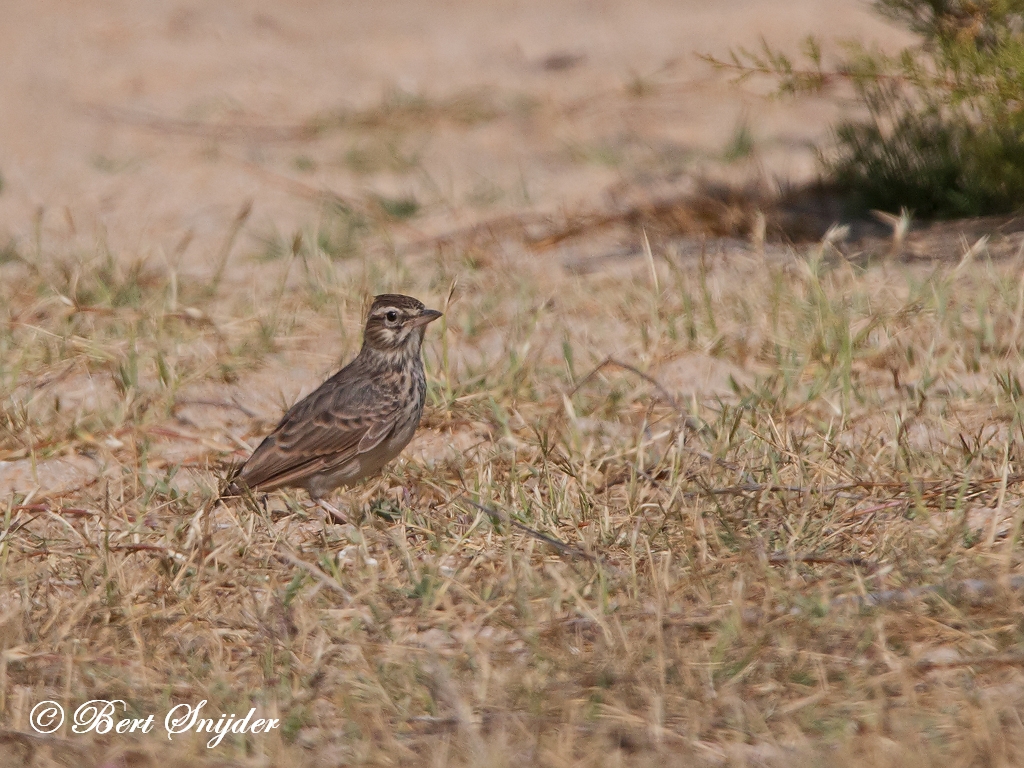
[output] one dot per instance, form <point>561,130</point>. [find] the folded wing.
<point>325,430</point>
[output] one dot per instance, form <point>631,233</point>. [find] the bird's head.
<point>396,323</point>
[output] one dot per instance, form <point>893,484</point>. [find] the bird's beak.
<point>426,316</point>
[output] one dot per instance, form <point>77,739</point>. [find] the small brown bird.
<point>356,421</point>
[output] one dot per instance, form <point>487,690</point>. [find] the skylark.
<point>356,421</point>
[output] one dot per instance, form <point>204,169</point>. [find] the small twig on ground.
<point>698,621</point>
<point>562,548</point>
<point>741,488</point>
<point>856,562</point>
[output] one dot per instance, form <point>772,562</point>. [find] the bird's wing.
<point>331,426</point>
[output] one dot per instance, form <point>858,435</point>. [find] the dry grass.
<point>855,431</point>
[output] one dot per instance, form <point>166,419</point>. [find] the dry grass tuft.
<point>793,540</point>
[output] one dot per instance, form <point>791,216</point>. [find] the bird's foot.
<point>331,512</point>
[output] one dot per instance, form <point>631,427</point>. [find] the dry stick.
<point>737,490</point>
<point>507,519</point>
<point>856,562</point>
<point>560,546</point>
<point>784,557</point>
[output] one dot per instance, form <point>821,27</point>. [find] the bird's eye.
<point>391,316</point>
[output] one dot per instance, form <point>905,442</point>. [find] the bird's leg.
<point>331,511</point>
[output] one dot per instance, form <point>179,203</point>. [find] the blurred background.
<point>148,125</point>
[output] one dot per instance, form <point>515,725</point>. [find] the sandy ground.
<point>139,123</point>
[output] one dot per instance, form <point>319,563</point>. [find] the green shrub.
<point>942,132</point>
